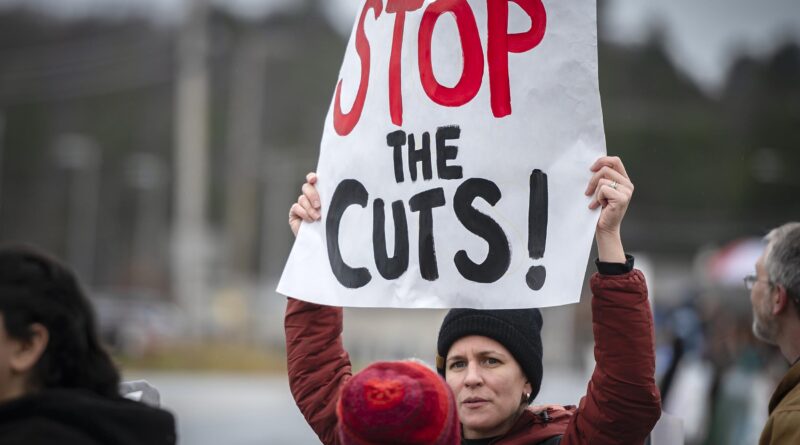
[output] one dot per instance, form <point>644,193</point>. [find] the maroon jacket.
<point>621,405</point>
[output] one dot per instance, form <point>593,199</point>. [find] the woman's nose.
<point>473,375</point>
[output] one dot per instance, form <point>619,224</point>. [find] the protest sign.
<point>454,158</point>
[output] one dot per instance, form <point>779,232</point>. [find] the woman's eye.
<point>457,365</point>
<point>491,361</point>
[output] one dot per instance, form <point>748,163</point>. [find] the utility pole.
<point>243,153</point>
<point>146,176</point>
<point>190,256</point>
<point>80,157</point>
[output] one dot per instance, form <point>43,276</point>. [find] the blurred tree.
<point>762,113</point>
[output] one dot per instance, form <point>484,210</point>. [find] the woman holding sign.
<point>492,359</point>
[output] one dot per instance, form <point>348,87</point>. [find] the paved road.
<point>215,409</point>
<point>233,409</point>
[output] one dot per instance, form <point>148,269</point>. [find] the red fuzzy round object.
<point>397,403</point>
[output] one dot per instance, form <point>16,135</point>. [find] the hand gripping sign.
<point>454,158</point>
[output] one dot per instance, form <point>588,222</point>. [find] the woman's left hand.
<point>611,189</point>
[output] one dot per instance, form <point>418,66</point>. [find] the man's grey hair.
<point>782,259</point>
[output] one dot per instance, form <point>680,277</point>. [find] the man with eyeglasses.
<point>775,296</point>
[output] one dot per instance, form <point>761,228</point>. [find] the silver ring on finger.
<point>613,185</point>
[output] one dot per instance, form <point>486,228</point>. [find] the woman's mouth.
<point>474,402</point>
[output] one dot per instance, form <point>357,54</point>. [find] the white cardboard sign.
<point>454,158</point>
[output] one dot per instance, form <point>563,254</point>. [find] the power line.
<point>115,68</point>
<point>87,90</point>
<point>116,59</point>
<point>45,49</point>
<point>94,53</point>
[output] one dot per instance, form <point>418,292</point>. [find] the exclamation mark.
<point>537,228</point>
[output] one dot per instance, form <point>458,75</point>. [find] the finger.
<point>597,201</point>
<point>310,192</point>
<point>311,178</point>
<point>606,172</point>
<point>610,161</point>
<point>601,198</point>
<point>297,212</point>
<point>294,222</point>
<point>309,209</point>
<point>608,191</point>
<point>615,203</point>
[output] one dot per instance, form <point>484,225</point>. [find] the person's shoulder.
<point>40,418</point>
<point>80,417</point>
<point>784,422</point>
<point>42,430</point>
<point>541,424</point>
<point>785,418</point>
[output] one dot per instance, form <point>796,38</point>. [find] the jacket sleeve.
<point>622,402</point>
<point>317,363</point>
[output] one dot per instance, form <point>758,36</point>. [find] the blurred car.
<point>136,321</point>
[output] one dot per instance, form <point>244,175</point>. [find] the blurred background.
<point>157,145</point>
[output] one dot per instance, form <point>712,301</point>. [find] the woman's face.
<point>18,359</point>
<point>9,387</point>
<point>488,384</point>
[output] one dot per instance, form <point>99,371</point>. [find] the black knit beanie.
<point>518,330</point>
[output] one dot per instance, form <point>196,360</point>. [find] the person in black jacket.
<point>57,383</point>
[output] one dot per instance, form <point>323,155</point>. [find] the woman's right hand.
<point>307,206</point>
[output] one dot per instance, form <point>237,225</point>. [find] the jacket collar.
<point>534,427</point>
<point>789,381</point>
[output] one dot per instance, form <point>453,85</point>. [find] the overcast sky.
<point>702,35</point>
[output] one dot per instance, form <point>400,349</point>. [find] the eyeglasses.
<point>751,280</point>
